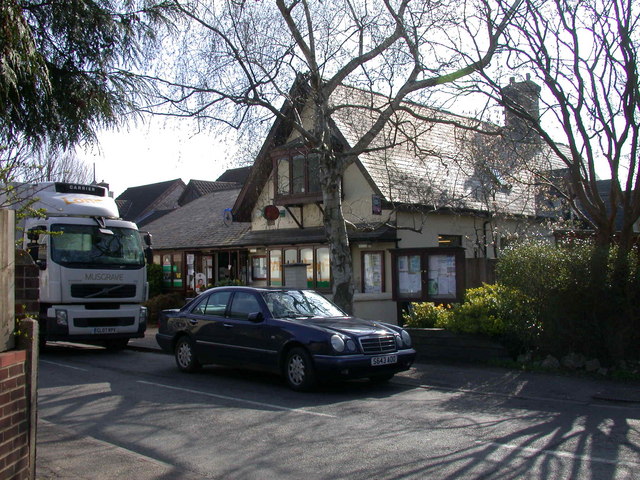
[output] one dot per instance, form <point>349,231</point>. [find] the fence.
<point>479,271</point>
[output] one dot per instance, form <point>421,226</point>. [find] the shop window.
<point>290,256</point>
<point>177,270</point>
<point>259,268</point>
<point>275,268</point>
<point>409,272</point>
<point>441,279</point>
<point>316,258</point>
<point>323,268</point>
<point>172,270</point>
<point>306,256</point>
<point>429,275</point>
<point>373,272</point>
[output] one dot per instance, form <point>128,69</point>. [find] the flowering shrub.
<point>495,311</point>
<point>427,315</point>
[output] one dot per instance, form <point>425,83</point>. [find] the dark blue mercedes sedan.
<point>297,333</point>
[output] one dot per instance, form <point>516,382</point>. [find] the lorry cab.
<point>92,266</point>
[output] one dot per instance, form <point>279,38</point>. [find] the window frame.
<point>363,284</point>
<point>425,254</point>
<point>314,266</point>
<point>257,265</point>
<point>292,197</point>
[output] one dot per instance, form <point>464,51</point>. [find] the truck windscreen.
<point>87,246</point>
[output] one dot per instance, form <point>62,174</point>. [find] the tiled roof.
<point>198,224</point>
<point>235,175</point>
<point>136,200</point>
<point>431,161</point>
<point>198,188</point>
<point>301,236</point>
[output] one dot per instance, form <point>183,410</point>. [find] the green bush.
<point>426,315</point>
<point>499,312</point>
<point>584,298</point>
<point>162,302</point>
<point>154,277</point>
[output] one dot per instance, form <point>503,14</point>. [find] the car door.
<point>251,346</point>
<point>209,334</point>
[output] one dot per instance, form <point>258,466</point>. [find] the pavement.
<point>62,453</point>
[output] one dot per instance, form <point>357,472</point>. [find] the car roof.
<point>258,289</point>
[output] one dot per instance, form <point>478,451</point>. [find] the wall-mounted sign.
<point>271,212</point>
<point>376,205</point>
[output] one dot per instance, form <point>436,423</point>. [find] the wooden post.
<point>7,273</point>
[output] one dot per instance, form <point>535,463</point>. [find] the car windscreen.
<point>87,246</point>
<point>300,304</point>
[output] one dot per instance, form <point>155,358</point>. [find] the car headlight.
<point>144,314</point>
<point>337,343</point>
<point>406,338</point>
<point>61,317</point>
<point>351,346</point>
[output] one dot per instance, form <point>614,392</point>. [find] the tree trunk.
<point>331,175</point>
<point>336,231</point>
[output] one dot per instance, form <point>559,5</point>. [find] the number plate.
<point>384,360</point>
<point>105,330</point>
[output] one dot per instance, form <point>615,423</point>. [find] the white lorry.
<point>93,275</point>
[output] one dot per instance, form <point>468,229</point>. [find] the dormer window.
<point>297,178</point>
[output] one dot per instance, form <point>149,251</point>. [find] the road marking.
<point>64,365</point>
<point>237,399</point>
<point>554,453</point>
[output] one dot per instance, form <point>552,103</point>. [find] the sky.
<point>156,151</point>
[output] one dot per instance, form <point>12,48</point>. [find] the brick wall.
<point>14,416</point>
<point>26,286</point>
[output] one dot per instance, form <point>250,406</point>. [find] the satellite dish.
<point>271,212</point>
<point>227,217</point>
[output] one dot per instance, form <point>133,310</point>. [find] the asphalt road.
<point>230,424</point>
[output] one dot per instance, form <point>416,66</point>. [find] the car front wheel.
<point>185,356</point>
<point>299,370</point>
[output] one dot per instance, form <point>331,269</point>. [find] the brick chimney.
<point>522,106</point>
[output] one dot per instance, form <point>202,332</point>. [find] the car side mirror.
<point>255,317</point>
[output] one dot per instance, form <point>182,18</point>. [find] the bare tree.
<point>584,54</point>
<point>23,165</point>
<point>56,165</point>
<point>241,58</point>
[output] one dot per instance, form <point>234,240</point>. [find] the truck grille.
<point>104,322</point>
<point>103,291</point>
<point>378,344</point>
